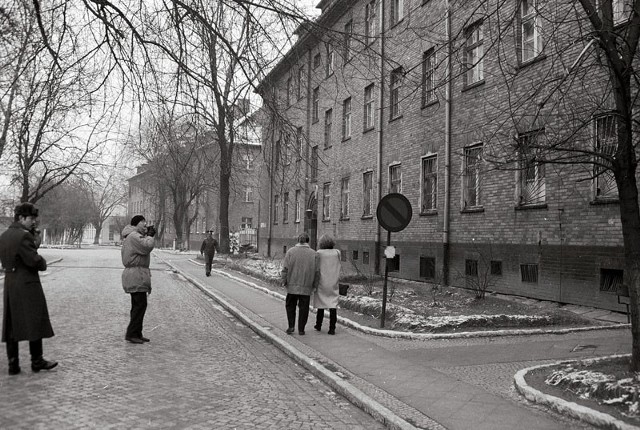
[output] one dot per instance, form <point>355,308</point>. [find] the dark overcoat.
<point>26,316</point>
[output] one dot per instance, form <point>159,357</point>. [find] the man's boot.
<point>40,363</point>
<point>14,366</point>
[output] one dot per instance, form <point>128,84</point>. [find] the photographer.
<point>138,242</point>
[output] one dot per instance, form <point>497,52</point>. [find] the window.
<point>395,179</point>
<point>248,194</point>
<point>246,223</point>
<point>344,198</point>
<point>277,154</point>
<point>369,108</point>
<point>301,82</point>
<point>284,249</point>
<point>365,257</point>
<point>314,163</point>
<point>532,171</point>
<point>427,267</point>
<point>367,193</point>
<point>348,35</point>
<point>112,231</point>
<point>529,273</point>
<point>316,102</point>
<point>330,60</point>
<point>248,161</point>
<point>328,123</point>
<point>621,10</point>
<point>611,280</point>
<point>289,91</point>
<point>343,255</point>
<point>471,273</point>
<point>297,206</point>
<point>276,202</point>
<point>606,143</point>
<point>472,165</point>
<point>473,54</point>
<point>285,208</point>
<point>496,268</point>
<point>370,22</point>
<point>286,157</point>
<point>428,77</point>
<point>326,201</point>
<point>354,255</point>
<point>316,61</point>
<point>394,263</point>
<point>394,92</point>
<point>346,118</point>
<point>530,28</point>
<point>397,11</point>
<point>429,183</point>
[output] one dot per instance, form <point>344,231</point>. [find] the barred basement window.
<point>496,268</point>
<point>427,267</point>
<point>529,273</point>
<point>354,256</point>
<point>471,267</point>
<point>394,263</point>
<point>343,255</point>
<point>611,280</point>
<point>365,257</point>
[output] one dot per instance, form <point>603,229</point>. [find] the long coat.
<point>136,256</point>
<point>26,316</point>
<point>326,295</point>
<point>300,270</point>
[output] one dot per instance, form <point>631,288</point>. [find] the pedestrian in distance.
<point>326,294</point>
<point>26,316</point>
<point>299,277</point>
<point>208,249</point>
<point>138,242</point>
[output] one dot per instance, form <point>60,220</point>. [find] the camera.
<point>151,231</point>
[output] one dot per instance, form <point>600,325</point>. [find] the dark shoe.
<point>42,364</point>
<point>145,339</point>
<point>301,332</point>
<point>290,330</point>
<point>208,274</point>
<point>317,327</point>
<point>14,366</point>
<point>134,339</point>
<point>331,332</point>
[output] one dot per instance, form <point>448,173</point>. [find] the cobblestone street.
<point>202,368</point>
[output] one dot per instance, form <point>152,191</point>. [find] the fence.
<point>248,237</point>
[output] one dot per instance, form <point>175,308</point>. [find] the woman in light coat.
<point>326,295</point>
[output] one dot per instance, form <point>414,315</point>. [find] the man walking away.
<point>137,245</point>
<point>26,316</point>
<point>208,249</point>
<point>300,276</point>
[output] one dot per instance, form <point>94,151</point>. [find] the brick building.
<point>444,102</point>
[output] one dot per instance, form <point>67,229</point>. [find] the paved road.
<point>202,369</point>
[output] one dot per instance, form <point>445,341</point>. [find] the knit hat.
<point>25,209</point>
<point>136,220</point>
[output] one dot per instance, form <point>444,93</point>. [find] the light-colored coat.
<point>136,256</point>
<point>326,296</point>
<point>300,270</point>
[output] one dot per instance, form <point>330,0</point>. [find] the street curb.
<point>429,336</point>
<point>567,408</point>
<point>351,393</point>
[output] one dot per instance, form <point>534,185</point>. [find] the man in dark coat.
<point>26,316</point>
<point>208,249</point>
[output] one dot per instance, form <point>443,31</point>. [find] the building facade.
<point>448,103</point>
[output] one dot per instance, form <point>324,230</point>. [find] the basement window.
<point>529,273</point>
<point>427,267</point>
<point>611,280</point>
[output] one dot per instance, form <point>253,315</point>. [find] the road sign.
<point>394,212</point>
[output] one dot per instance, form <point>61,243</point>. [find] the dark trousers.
<point>302,302</point>
<point>333,318</point>
<point>35,348</point>
<point>138,309</point>
<point>208,258</point>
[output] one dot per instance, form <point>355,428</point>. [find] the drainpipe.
<point>380,130</point>
<point>447,153</point>
<point>270,173</point>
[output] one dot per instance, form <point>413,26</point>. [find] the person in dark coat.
<point>208,249</point>
<point>26,316</point>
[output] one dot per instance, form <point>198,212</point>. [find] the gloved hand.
<point>151,231</point>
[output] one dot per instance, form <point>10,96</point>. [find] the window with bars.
<point>472,177</point>
<point>326,201</point>
<point>346,118</point>
<point>316,104</point>
<point>427,267</point>
<point>496,268</point>
<point>344,198</point>
<point>429,183</point>
<point>428,77</point>
<point>529,273</point>
<point>531,169</point>
<point>395,178</point>
<point>367,193</point>
<point>354,255</point>
<point>285,208</point>
<point>394,263</point>
<point>530,29</point>
<point>605,145</point>
<point>297,206</point>
<point>611,280</point>
<point>474,52</point>
<point>314,163</point>
<point>395,84</point>
<point>370,22</point>
<point>328,124</point>
<point>369,108</point>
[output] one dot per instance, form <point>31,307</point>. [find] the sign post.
<point>394,213</point>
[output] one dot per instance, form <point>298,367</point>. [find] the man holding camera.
<point>137,244</point>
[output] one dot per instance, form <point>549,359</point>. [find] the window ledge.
<point>346,139</point>
<point>315,120</point>
<point>326,220</point>
<point>366,130</point>
<point>524,64</point>
<point>430,103</point>
<point>344,219</point>
<point>297,222</point>
<point>395,118</point>
<point>531,206</point>
<point>473,85</point>
<point>397,23</point>
<point>327,147</point>
<point>604,201</point>
<point>429,212</point>
<point>366,217</point>
<point>472,210</point>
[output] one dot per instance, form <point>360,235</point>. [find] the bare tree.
<point>105,196</point>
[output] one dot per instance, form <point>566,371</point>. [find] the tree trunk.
<point>225,179</point>
<point>96,238</point>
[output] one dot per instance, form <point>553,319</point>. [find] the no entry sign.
<point>394,212</point>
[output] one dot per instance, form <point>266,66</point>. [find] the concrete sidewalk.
<point>392,385</point>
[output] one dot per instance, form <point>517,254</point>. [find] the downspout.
<point>447,152</point>
<point>270,172</point>
<point>380,132</point>
<point>306,140</point>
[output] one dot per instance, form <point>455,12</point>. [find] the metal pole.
<point>384,286</point>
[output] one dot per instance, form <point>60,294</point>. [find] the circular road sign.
<point>394,212</point>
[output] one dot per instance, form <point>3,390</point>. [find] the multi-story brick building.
<point>444,102</point>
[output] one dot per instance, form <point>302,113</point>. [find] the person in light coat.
<point>137,245</point>
<point>326,295</point>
